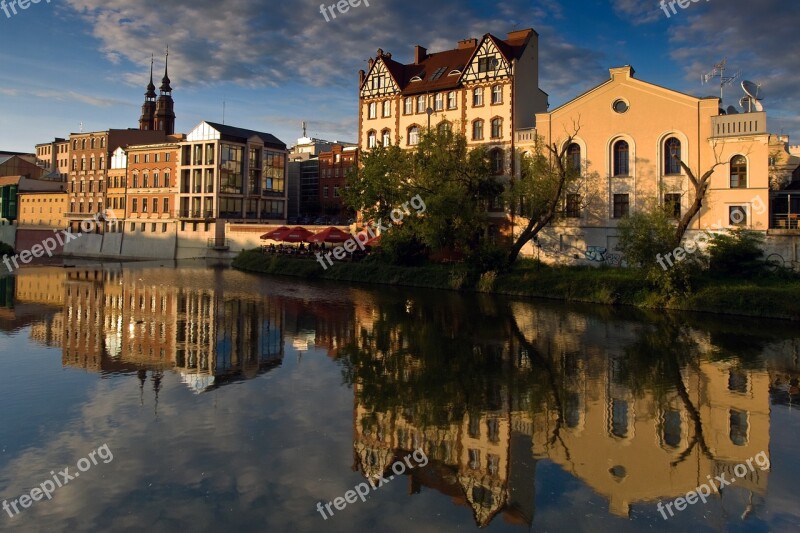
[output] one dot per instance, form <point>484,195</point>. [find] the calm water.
<point>237,403</point>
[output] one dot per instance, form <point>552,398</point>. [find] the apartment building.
<point>484,88</point>
<point>152,186</point>
<point>53,157</point>
<point>333,168</point>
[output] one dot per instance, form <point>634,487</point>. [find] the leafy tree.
<point>454,182</point>
<point>6,249</point>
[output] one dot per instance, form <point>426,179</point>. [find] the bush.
<point>738,253</point>
<point>5,249</point>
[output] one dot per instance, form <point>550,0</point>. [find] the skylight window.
<point>438,74</point>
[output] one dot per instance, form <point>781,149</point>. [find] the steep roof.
<point>435,68</point>
<point>241,135</point>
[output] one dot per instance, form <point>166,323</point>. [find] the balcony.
<point>193,214</point>
<point>738,125</point>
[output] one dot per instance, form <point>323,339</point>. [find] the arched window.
<point>497,128</point>
<point>477,130</point>
<point>497,94</point>
<point>386,138</point>
<point>445,126</point>
<point>413,135</point>
<point>621,159</point>
<point>738,172</point>
<point>477,96</point>
<point>372,139</point>
<point>672,156</point>
<point>373,110</point>
<point>497,161</point>
<point>574,157</point>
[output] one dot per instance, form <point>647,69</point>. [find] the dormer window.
<point>488,64</point>
<point>419,76</point>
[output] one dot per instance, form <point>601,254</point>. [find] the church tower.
<point>165,113</point>
<point>148,119</point>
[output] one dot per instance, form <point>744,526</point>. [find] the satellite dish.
<point>744,102</point>
<point>732,110</point>
<point>758,106</point>
<point>722,111</point>
<point>752,90</point>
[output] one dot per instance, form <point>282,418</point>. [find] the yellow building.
<point>629,139</point>
<point>485,88</point>
<point>42,210</point>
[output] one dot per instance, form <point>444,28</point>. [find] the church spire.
<point>165,88</point>
<point>147,118</point>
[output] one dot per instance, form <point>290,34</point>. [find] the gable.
<point>488,62</point>
<point>379,82</point>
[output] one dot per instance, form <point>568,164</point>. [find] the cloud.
<point>638,11</point>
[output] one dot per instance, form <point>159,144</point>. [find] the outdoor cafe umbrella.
<point>332,235</point>
<point>275,235</point>
<point>296,234</point>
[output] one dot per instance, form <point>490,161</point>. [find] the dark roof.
<point>445,62</point>
<point>241,135</point>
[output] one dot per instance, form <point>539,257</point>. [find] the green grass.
<point>773,297</point>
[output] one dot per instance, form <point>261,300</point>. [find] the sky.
<point>274,64</point>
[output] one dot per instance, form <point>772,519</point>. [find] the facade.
<point>43,210</point>
<point>53,157</point>
<point>116,186</point>
<point>88,174</point>
<point>229,173</point>
<point>152,187</point>
<point>485,88</point>
<point>12,187</point>
<point>333,168</point>
<point>304,176</point>
<point>631,138</point>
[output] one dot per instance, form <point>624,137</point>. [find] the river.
<point>195,397</point>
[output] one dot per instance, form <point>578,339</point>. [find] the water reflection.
<point>640,408</point>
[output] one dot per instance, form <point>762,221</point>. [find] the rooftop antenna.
<point>719,72</point>
<point>223,109</point>
<point>81,128</point>
<point>304,128</point>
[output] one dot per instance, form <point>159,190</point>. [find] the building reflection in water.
<point>640,409</point>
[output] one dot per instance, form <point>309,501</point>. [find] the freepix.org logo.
<point>9,7</point>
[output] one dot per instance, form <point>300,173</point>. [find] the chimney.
<point>370,63</point>
<point>420,54</point>
<point>519,34</point>
<point>361,75</point>
<point>468,43</point>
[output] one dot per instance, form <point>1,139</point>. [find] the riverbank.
<point>769,297</point>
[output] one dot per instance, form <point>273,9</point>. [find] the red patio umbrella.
<point>275,234</point>
<point>296,234</point>
<point>332,235</point>
<point>375,241</point>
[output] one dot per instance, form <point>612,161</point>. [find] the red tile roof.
<point>445,62</point>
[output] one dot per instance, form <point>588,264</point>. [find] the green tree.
<point>737,253</point>
<point>454,182</point>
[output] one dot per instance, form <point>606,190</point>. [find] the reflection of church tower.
<point>165,113</point>
<point>148,119</point>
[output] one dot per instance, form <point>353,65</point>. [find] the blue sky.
<point>277,64</point>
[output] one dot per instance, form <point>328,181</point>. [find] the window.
<point>619,418</point>
<point>166,209</point>
<point>738,172</point>
<point>166,178</point>
<point>135,183</point>
<point>574,157</point>
<point>477,130</point>
<point>83,163</point>
<point>102,142</point>
<point>408,106</point>
<point>497,94</point>
<point>387,108</point>
<point>155,206</point>
<point>621,158</point>
<point>167,157</point>
<point>739,427</point>
<point>477,97</point>
<point>102,163</point>
<point>488,64</point>
<point>156,181</point>
<point>620,106</point>
<point>413,135</point>
<point>371,139</point>
<point>373,110</point>
<point>672,156</point>
<point>146,158</point>
<point>325,191</point>
<point>497,161</point>
<point>445,127</point>
<point>145,181</point>
<point>335,192</point>
<point>386,138</point>
<point>451,100</point>
<point>737,215</point>
<point>672,203</point>
<point>144,205</point>
<point>672,428</point>
<point>420,104</point>
<point>438,102</point>
<point>621,205</point>
<point>497,128</point>
<point>573,207</point>
<point>134,205</point>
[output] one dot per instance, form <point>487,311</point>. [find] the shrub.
<point>6,249</point>
<point>737,253</point>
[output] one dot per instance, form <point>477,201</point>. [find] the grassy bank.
<point>767,297</point>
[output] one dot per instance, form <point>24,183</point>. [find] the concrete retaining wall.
<point>8,233</point>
